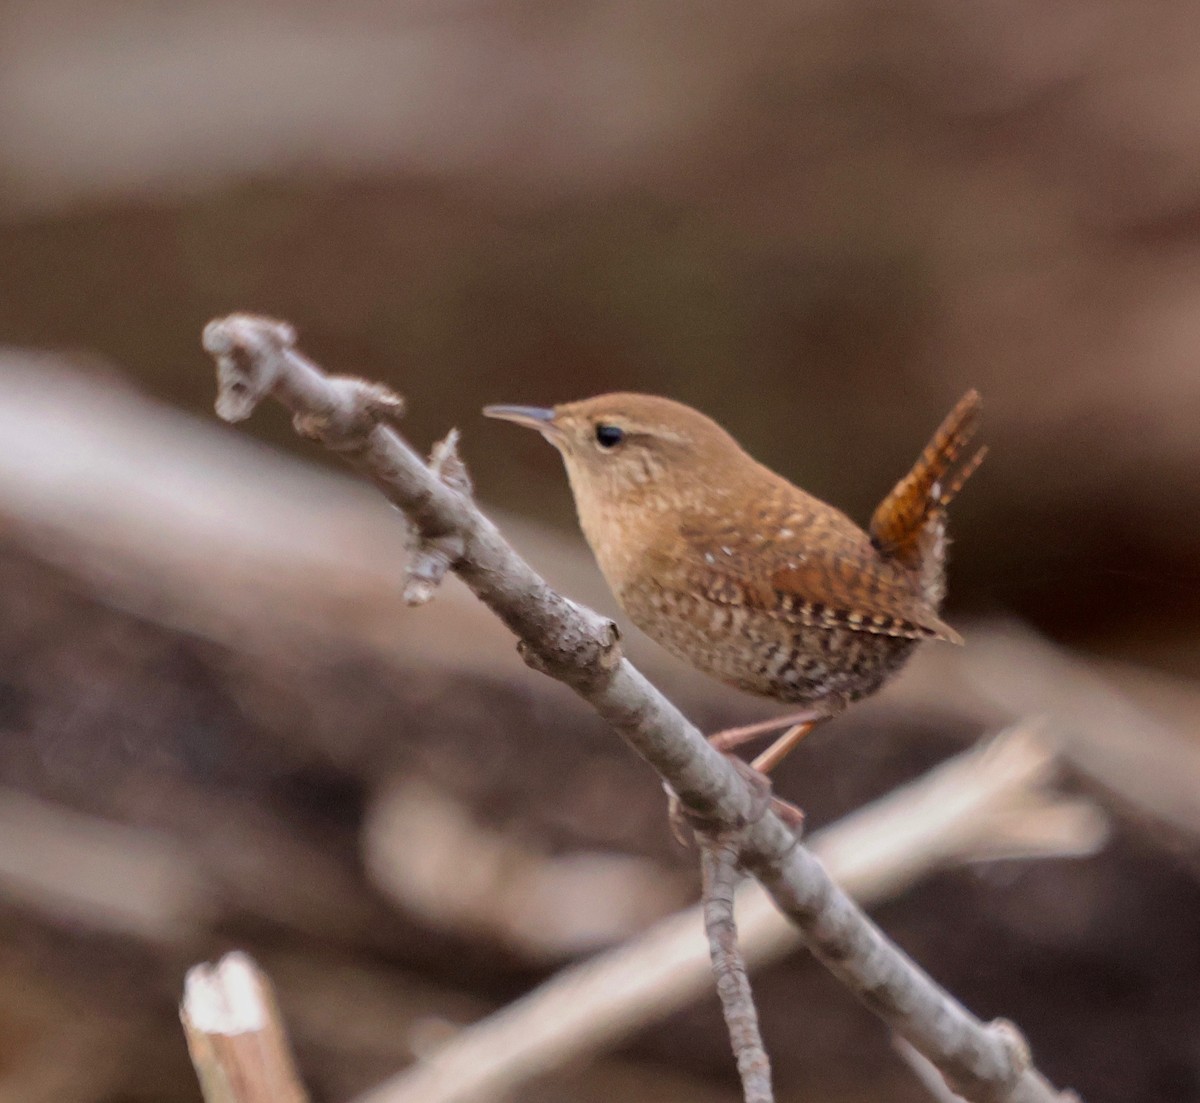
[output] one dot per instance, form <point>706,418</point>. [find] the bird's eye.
<point>609,436</point>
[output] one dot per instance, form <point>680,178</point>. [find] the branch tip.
<point>235,1035</point>
<point>222,335</point>
<point>247,349</point>
<point>256,356</point>
<point>447,464</point>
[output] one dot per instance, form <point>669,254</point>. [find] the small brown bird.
<point>745,576</point>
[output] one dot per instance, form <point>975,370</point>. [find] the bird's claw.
<point>763,800</point>
<point>761,789</point>
<point>791,814</point>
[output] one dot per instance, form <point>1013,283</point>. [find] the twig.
<point>875,853</point>
<point>235,1036</point>
<point>256,358</point>
<point>718,865</point>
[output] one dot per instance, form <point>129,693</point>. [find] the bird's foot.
<point>762,794</point>
<point>791,814</point>
<point>763,800</point>
<point>798,725</point>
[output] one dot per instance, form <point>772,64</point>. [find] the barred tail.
<point>901,528</point>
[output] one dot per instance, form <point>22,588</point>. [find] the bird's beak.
<point>532,417</point>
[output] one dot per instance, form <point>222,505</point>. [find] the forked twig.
<point>718,866</point>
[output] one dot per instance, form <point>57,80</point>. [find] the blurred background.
<point>820,223</point>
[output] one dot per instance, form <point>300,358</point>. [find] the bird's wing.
<point>841,593</point>
<point>834,578</point>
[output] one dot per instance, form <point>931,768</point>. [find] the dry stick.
<point>718,866</point>
<point>256,358</point>
<point>235,1036</point>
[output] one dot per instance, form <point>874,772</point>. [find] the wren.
<point>747,577</point>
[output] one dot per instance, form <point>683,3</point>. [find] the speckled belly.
<point>761,654</point>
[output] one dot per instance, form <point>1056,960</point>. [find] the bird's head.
<point>629,452</point>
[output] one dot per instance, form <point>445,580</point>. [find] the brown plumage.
<point>749,578</point>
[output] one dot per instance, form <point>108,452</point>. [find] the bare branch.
<point>256,357</point>
<point>235,1036</point>
<point>875,853</point>
<point>718,864</point>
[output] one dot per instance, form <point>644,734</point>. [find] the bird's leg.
<point>790,813</point>
<point>798,725</point>
<point>763,799</point>
<point>729,738</point>
<point>783,746</point>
